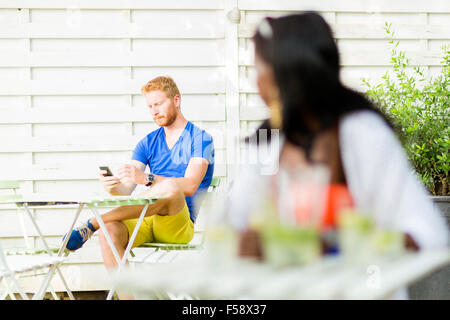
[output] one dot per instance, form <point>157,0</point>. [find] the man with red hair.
<point>180,157</point>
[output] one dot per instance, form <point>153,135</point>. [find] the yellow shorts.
<point>177,228</point>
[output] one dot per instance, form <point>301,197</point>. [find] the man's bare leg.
<point>172,203</point>
<point>119,235</point>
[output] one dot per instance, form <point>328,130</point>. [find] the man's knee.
<point>170,189</point>
<point>174,200</point>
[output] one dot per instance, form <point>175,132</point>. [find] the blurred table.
<point>329,278</point>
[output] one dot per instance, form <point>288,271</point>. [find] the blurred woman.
<point>323,122</point>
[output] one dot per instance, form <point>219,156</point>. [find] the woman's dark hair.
<point>305,60</point>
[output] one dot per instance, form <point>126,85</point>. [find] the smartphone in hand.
<point>108,172</point>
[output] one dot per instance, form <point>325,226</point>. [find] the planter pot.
<point>435,286</point>
<point>443,203</point>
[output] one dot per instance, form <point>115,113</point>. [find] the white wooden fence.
<point>71,72</point>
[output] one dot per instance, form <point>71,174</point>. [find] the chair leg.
<point>77,214</point>
<point>15,284</point>
<point>41,236</point>
<point>52,291</point>
<point>69,292</point>
<point>107,236</point>
<point>39,295</point>
<point>8,291</point>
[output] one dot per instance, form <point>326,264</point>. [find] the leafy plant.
<point>419,108</point>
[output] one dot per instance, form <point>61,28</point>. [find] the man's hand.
<point>109,183</point>
<point>130,174</point>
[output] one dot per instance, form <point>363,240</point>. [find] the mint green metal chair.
<point>19,263</point>
<point>177,246</point>
<point>13,186</point>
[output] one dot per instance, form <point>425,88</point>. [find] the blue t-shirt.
<point>162,161</point>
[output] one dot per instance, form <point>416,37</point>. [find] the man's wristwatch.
<point>150,179</point>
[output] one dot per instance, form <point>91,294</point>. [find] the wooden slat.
<point>75,144</point>
<point>58,144</point>
<point>60,172</point>
<point>258,113</point>
<point>353,81</point>
<point>367,58</point>
<point>207,57</point>
<point>368,6</point>
<point>112,4</point>
<point>101,115</point>
<point>402,31</point>
<point>52,220</point>
<point>88,143</point>
<point>95,87</point>
<point>364,31</point>
<point>109,31</point>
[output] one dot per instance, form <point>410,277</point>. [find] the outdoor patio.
<point>71,74</point>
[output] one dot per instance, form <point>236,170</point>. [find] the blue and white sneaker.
<point>79,236</point>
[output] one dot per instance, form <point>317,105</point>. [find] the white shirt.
<point>378,175</point>
<point>383,183</point>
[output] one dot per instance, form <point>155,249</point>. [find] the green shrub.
<point>419,108</point>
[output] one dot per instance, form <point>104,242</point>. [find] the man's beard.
<point>166,120</point>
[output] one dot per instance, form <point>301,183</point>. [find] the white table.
<point>329,278</point>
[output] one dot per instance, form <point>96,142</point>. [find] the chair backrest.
<point>214,183</point>
<point>9,184</point>
<point>12,185</point>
